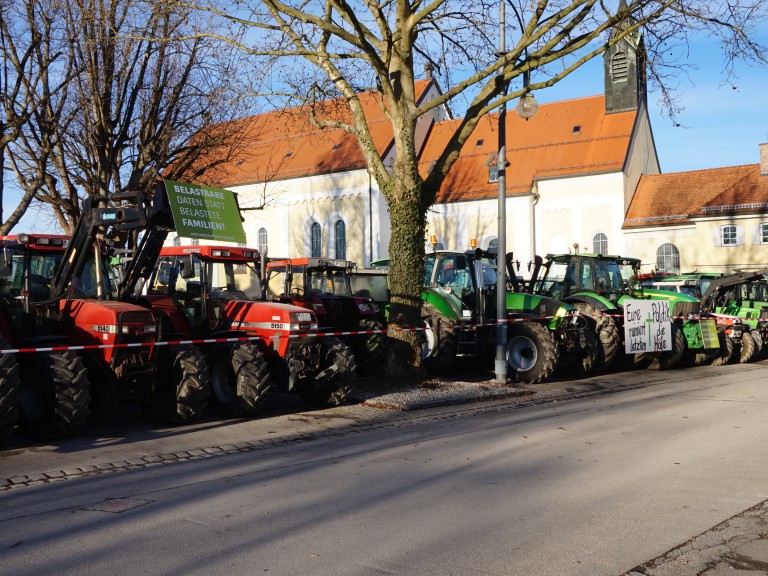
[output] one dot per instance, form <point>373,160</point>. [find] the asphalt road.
<point>594,485</point>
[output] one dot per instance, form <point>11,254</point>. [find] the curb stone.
<point>436,395</point>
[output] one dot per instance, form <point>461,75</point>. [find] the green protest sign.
<point>205,212</point>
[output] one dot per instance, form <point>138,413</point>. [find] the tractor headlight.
<point>303,321</point>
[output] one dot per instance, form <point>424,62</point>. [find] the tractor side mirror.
<point>187,268</point>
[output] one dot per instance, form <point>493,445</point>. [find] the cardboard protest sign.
<point>647,326</point>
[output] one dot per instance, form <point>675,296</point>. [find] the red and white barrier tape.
<point>197,341</point>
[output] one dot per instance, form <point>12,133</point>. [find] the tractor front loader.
<point>256,345</point>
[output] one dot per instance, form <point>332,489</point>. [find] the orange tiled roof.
<point>283,144</point>
<point>678,197</point>
<point>570,137</point>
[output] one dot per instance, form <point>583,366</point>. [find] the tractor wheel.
<point>240,381</point>
<point>337,387</point>
<point>758,343</point>
<point>371,356</point>
<point>10,393</point>
<point>531,352</point>
<point>55,393</point>
<point>748,348</point>
<point>669,359</point>
<point>694,358</point>
<point>587,361</point>
<point>726,350</point>
<point>761,335</point>
<point>607,333</point>
<point>185,377</point>
<point>582,361</point>
<point>438,349</point>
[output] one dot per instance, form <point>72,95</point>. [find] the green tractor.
<point>693,283</point>
<point>599,285</point>
<point>739,303</point>
<point>459,319</point>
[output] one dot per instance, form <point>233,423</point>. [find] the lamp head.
<point>527,106</point>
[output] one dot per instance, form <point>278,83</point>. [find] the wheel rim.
<point>429,342</point>
<point>222,382</point>
<point>521,353</point>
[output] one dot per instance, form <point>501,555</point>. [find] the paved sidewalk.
<point>736,547</point>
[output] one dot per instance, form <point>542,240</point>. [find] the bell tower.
<point>624,69</point>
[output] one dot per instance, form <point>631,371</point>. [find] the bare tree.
<point>352,45</point>
<point>125,98</point>
<point>26,57</point>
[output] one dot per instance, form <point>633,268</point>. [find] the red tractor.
<point>27,261</point>
<point>323,286</point>
<point>252,345</point>
<point>56,301</point>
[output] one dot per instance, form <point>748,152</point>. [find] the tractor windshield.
<point>226,279</point>
<point>608,277</point>
<point>558,279</point>
<point>453,273</point>
<point>328,282</point>
<point>41,268</point>
<point>240,277</point>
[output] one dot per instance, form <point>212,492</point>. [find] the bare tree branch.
<point>115,99</point>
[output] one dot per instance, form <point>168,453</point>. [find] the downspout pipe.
<point>532,216</point>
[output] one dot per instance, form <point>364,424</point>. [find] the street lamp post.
<point>526,108</point>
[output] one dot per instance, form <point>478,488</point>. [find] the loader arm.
<point>158,223</point>
<point>97,224</point>
<point>710,294</point>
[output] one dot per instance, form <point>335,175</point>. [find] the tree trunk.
<point>406,252</point>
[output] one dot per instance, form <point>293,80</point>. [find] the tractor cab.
<point>322,285</point>
<point>198,281</point>
<point>466,280</point>
<point>563,275</point>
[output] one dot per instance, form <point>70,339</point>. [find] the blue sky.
<point>719,125</point>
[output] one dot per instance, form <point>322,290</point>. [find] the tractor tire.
<point>340,367</point>
<point>726,350</point>
<point>669,359</point>
<point>10,393</point>
<point>638,361</point>
<point>55,394</point>
<point>748,348</point>
<point>241,381</point>
<point>759,334</point>
<point>608,336</point>
<point>440,343</point>
<point>758,344</point>
<point>587,362</point>
<point>531,352</point>
<point>694,358</point>
<point>185,377</point>
<point>372,353</point>
<point>583,361</point>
